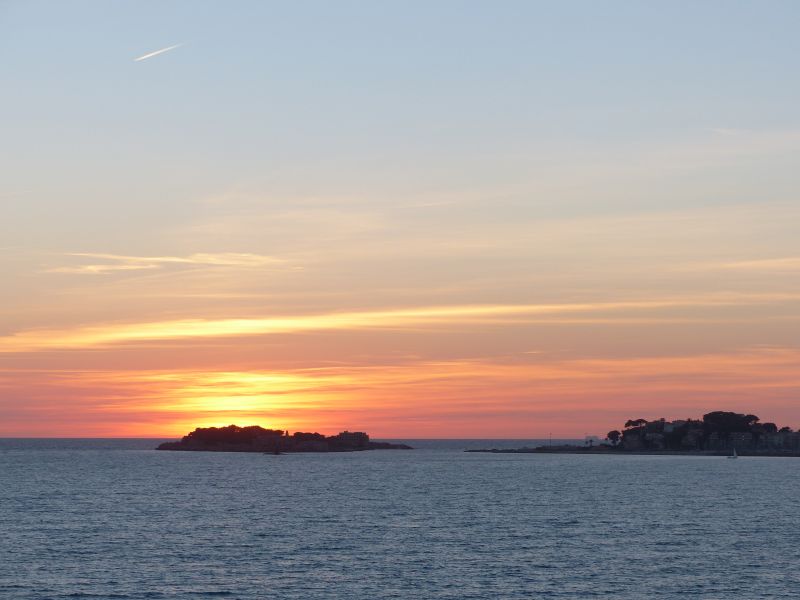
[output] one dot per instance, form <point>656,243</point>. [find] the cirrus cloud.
<point>116,262</point>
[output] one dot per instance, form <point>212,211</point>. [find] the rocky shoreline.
<point>603,451</point>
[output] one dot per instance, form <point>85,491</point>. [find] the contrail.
<point>156,53</point>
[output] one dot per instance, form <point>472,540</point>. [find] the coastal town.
<point>717,431</point>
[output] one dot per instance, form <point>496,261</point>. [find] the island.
<point>274,441</point>
<point>718,433</point>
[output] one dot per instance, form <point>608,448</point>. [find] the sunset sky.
<point>415,219</point>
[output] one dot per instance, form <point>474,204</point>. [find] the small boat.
<point>734,455</point>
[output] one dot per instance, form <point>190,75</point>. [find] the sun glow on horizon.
<point>432,398</point>
<point>462,233</point>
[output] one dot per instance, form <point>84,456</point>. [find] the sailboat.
<point>734,455</point>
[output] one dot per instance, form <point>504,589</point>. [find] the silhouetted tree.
<point>613,437</point>
<point>232,434</point>
<point>727,422</point>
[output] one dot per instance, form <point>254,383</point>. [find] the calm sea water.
<point>115,519</point>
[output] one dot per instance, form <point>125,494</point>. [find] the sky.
<point>446,219</point>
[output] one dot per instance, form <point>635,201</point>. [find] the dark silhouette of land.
<point>274,441</point>
<point>718,433</point>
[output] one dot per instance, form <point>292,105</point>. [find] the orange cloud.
<point>99,336</point>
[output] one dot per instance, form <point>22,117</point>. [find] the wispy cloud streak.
<point>100,336</point>
<point>119,262</point>
<point>156,52</point>
<point>767,264</point>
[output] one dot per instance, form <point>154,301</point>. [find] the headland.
<point>718,433</point>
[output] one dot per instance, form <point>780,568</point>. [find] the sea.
<point>113,519</point>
